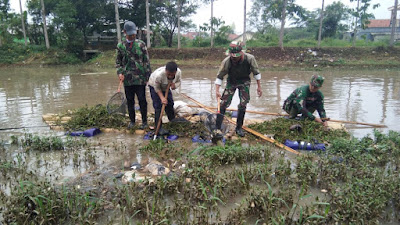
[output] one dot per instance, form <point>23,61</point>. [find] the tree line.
<point>67,24</point>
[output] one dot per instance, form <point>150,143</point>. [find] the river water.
<point>371,96</point>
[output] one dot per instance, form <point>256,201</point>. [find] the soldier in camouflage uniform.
<point>306,99</point>
<point>238,65</point>
<point>133,68</point>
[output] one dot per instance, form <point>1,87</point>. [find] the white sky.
<point>231,11</point>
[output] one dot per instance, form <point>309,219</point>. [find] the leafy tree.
<point>334,14</point>
<point>5,18</point>
<point>332,24</point>
<point>220,29</point>
<point>265,14</point>
<point>361,15</point>
<point>169,19</point>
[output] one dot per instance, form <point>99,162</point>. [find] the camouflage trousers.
<point>293,110</point>
<point>244,95</point>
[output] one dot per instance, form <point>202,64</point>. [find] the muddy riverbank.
<point>272,58</point>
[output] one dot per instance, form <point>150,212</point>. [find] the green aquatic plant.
<point>48,143</point>
<point>186,129</point>
<point>40,202</point>
<point>310,131</point>
<point>41,143</point>
<point>233,153</point>
<point>95,116</point>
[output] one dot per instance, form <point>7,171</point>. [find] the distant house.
<point>193,35</point>
<point>378,29</point>
<point>249,35</point>
<point>190,35</point>
<point>232,37</point>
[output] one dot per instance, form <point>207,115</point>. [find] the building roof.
<point>379,23</point>
<point>190,35</point>
<point>232,36</point>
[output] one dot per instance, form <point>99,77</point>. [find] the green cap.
<point>317,80</point>
<point>235,48</point>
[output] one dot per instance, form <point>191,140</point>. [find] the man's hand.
<point>121,77</point>
<point>217,94</point>
<point>164,101</point>
<point>325,123</point>
<point>259,91</point>
<point>173,87</point>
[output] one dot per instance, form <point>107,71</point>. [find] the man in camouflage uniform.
<point>133,68</point>
<point>306,99</point>
<point>238,65</point>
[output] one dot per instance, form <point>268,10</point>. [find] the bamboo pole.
<point>329,119</point>
<point>245,128</point>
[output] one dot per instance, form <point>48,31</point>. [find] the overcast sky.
<point>231,11</point>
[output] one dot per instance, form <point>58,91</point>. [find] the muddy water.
<point>28,93</point>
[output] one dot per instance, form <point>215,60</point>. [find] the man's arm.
<point>223,70</point>
<point>177,81</point>
<point>119,64</point>
<point>321,110</point>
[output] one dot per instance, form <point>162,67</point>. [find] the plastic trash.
<point>148,136</point>
<point>234,114</point>
<point>172,137</point>
<point>87,133</point>
<point>198,139</point>
<point>91,132</point>
<point>302,145</point>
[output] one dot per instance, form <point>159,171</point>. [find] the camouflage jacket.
<point>133,62</point>
<point>302,98</point>
<point>238,73</point>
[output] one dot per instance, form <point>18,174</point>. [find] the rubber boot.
<point>220,118</point>
<point>239,122</point>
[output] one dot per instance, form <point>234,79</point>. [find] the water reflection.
<point>363,96</point>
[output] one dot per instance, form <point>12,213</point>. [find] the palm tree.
<point>320,23</point>
<point>394,22</point>
<point>117,21</point>
<point>46,37</point>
